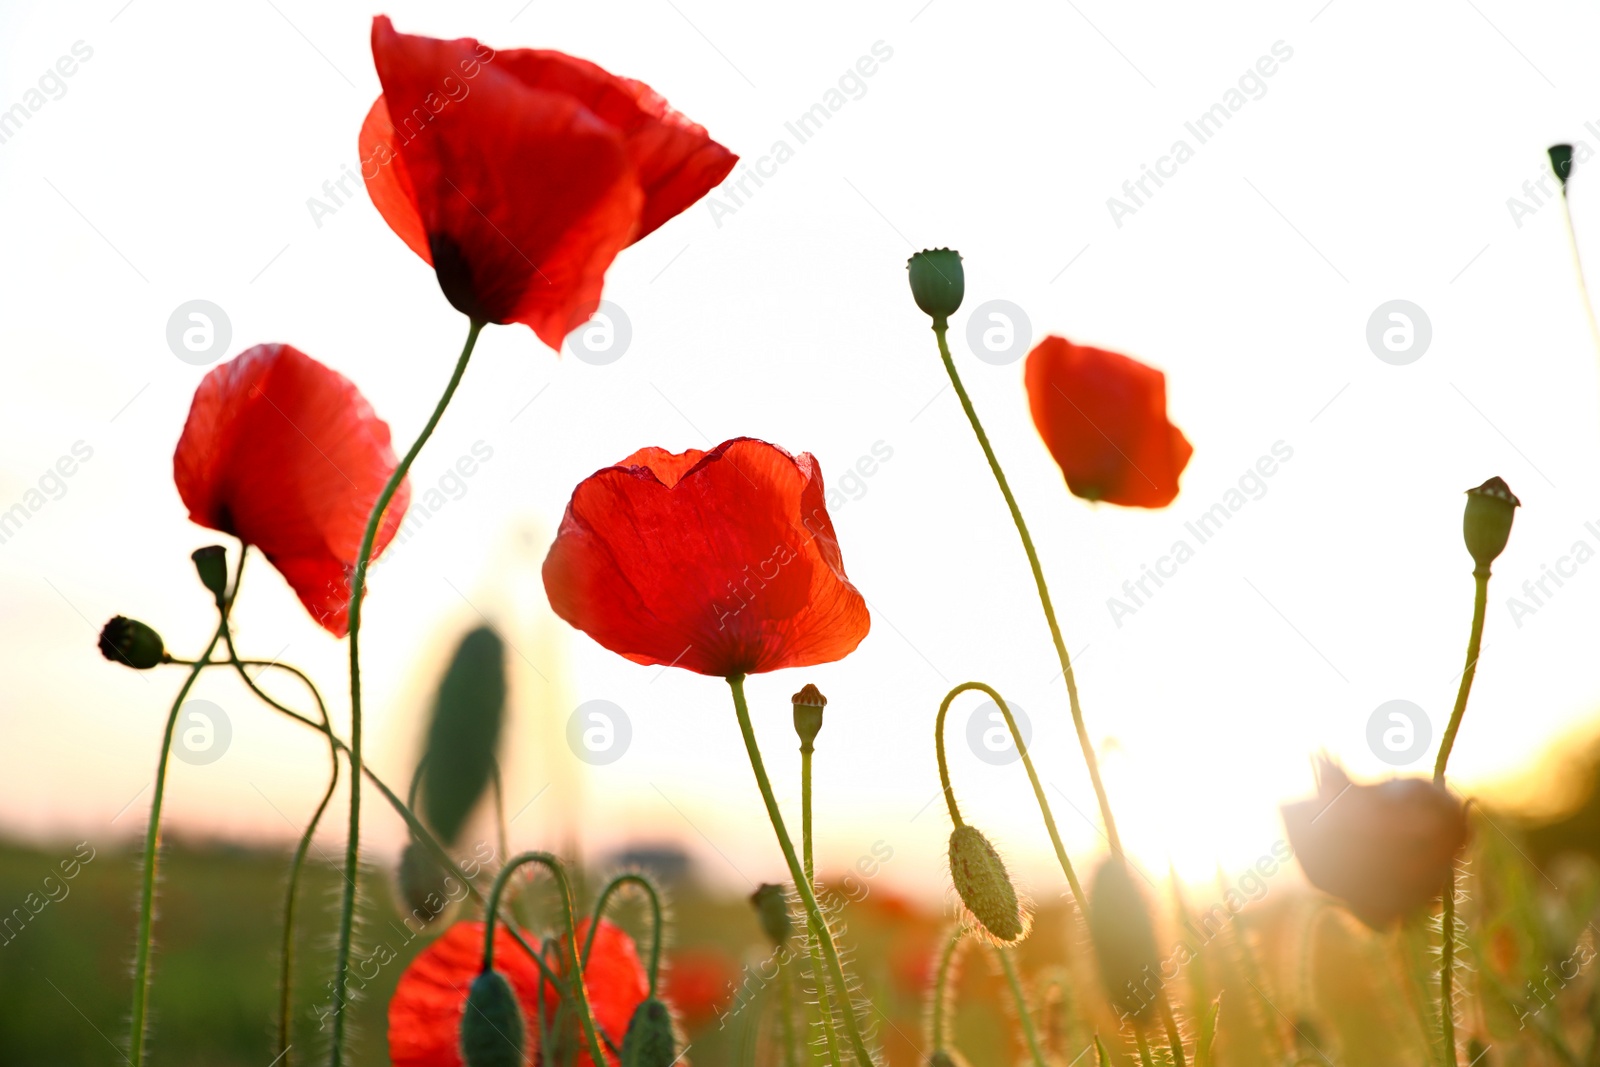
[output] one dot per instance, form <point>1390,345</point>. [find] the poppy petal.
<point>525,195</point>
<point>1103,417</point>
<point>388,184</point>
<point>722,562</point>
<point>288,456</point>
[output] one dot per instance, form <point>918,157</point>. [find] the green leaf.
<point>464,733</point>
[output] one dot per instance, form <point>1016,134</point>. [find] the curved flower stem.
<point>1447,946</point>
<point>819,927</point>
<point>418,830</point>
<point>655,914</point>
<point>1089,758</point>
<point>580,994</point>
<point>358,581</point>
<point>152,837</point>
<point>824,998</point>
<point>1024,1015</point>
<point>1027,762</point>
<point>941,987</point>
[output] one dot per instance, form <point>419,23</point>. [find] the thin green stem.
<point>1447,967</point>
<point>819,927</point>
<point>1174,1035</point>
<point>580,993</point>
<point>824,997</point>
<point>655,920</point>
<point>1089,758</point>
<point>1480,602</point>
<point>1027,762</point>
<point>791,1056</point>
<point>152,837</point>
<point>1025,1016</point>
<point>941,986</point>
<point>358,582</point>
<point>1577,264</point>
<point>1145,1057</point>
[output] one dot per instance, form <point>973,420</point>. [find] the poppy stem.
<point>941,987</point>
<point>579,992</point>
<point>819,928</point>
<point>286,952</point>
<point>1480,603</point>
<point>1024,1015</point>
<point>152,838</point>
<point>1577,265</point>
<point>824,997</point>
<point>358,582</point>
<point>940,326</point>
<point>1027,763</point>
<point>655,913</point>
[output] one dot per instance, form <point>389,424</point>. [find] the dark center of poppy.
<point>455,278</point>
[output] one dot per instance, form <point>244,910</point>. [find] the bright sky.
<point>1377,162</point>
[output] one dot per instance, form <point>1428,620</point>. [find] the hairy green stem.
<point>1027,762</point>
<point>824,998</point>
<point>941,987</point>
<point>819,927</point>
<point>1029,1033</point>
<point>580,993</point>
<point>358,581</point>
<point>1089,758</point>
<point>655,916</point>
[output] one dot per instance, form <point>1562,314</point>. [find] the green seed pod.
<point>772,908</point>
<point>1561,162</point>
<point>132,644</point>
<point>422,884</point>
<point>937,282</point>
<point>808,705</point>
<point>980,878</point>
<point>649,1042</point>
<point>493,1033</point>
<point>1486,525</point>
<point>211,563</point>
<point>1124,940</point>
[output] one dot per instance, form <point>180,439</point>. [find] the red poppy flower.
<point>723,562</point>
<point>1103,417</point>
<point>288,456</point>
<point>425,1014</point>
<point>699,983</point>
<point>519,175</point>
<point>1386,850</point>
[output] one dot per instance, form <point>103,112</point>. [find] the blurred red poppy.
<point>519,175</point>
<point>722,562</point>
<point>287,455</point>
<point>699,983</point>
<point>425,1013</point>
<point>1103,417</point>
<point>1385,850</point>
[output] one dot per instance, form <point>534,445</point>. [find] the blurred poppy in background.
<point>1103,417</point>
<point>519,175</point>
<point>699,982</point>
<point>287,455</point>
<point>722,562</point>
<point>425,1013</point>
<point>1385,850</point>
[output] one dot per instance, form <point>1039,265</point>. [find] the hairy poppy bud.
<point>1124,939</point>
<point>132,644</point>
<point>1561,162</point>
<point>493,1033</point>
<point>1487,522</point>
<point>981,880</point>
<point>937,282</point>
<point>772,908</point>
<point>211,562</point>
<point>808,705</point>
<point>649,1041</point>
<point>422,883</point>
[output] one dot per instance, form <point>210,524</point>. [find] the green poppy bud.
<point>1124,940</point>
<point>1561,163</point>
<point>212,564</point>
<point>649,1041</point>
<point>947,1058</point>
<point>493,1033</point>
<point>421,881</point>
<point>772,908</point>
<point>808,705</point>
<point>132,644</point>
<point>1487,522</point>
<point>937,282</point>
<point>981,880</point>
